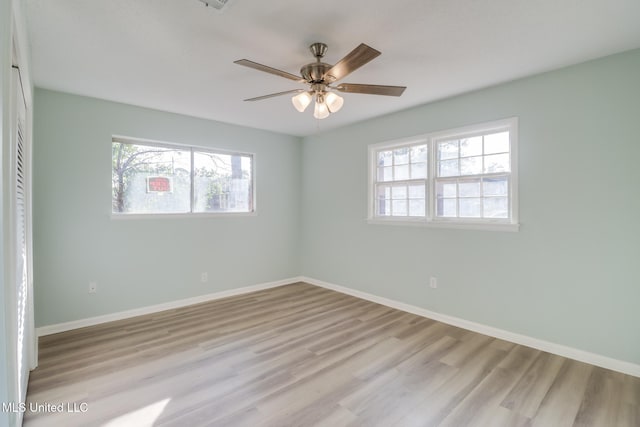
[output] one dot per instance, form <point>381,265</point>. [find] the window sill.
<point>134,216</point>
<point>419,222</point>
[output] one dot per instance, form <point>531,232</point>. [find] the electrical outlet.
<point>93,287</point>
<point>433,282</point>
<point>204,277</point>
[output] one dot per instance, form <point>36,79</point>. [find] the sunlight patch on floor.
<point>143,417</point>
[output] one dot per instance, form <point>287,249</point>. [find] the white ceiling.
<point>177,55</point>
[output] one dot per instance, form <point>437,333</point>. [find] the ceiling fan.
<point>321,79</point>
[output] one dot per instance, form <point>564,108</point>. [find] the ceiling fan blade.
<point>354,60</point>
<point>258,98</point>
<point>371,89</point>
<point>269,70</point>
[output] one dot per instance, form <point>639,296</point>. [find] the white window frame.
<point>192,149</point>
<point>431,139</point>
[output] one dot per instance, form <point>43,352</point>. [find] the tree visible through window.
<point>150,178</point>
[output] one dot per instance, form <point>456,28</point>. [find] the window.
<point>401,181</point>
<point>459,178</point>
<point>150,178</point>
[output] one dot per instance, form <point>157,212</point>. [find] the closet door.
<point>21,189</point>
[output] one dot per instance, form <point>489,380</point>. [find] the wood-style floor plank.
<point>299,355</point>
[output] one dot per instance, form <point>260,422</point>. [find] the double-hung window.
<point>463,177</point>
<point>401,180</point>
<point>159,178</point>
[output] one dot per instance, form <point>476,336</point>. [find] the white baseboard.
<point>91,321</point>
<point>550,347</point>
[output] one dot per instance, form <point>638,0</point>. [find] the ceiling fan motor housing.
<point>314,72</point>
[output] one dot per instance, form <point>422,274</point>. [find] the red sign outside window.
<point>158,184</point>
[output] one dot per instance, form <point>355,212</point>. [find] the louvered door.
<point>20,223</point>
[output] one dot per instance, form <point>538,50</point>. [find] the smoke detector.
<point>218,5</point>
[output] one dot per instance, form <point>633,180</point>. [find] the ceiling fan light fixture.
<point>301,101</point>
<point>321,110</point>
<point>320,77</point>
<point>334,102</point>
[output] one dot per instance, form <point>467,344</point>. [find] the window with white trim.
<point>159,178</point>
<point>401,181</point>
<point>463,177</point>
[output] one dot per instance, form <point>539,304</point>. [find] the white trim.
<point>126,216</point>
<point>91,321</point>
<point>474,129</point>
<point>192,149</point>
<point>175,145</point>
<point>431,139</point>
<point>420,222</point>
<point>401,142</point>
<point>373,170</point>
<point>550,347</point>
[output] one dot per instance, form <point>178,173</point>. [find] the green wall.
<point>571,275</point>
<point>138,262</point>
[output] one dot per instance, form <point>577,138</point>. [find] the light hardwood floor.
<point>300,355</point>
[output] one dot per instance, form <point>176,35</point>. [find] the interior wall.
<point>569,276</point>
<point>142,262</point>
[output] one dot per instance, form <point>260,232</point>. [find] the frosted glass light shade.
<point>321,111</point>
<point>301,101</point>
<point>334,102</point>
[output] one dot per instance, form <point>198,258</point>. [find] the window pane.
<point>383,199</point>
<point>385,174</point>
<point>470,208</point>
<point>148,179</point>
<point>399,192</point>
<point>401,156</point>
<point>472,175</point>
<point>416,207</point>
<point>446,189</point>
<point>471,146</point>
<point>469,188</point>
<point>496,163</point>
<point>416,191</point>
<point>401,172</point>
<point>399,207</point>
<point>446,208</point>
<point>380,191</point>
<point>496,143</point>
<point>448,168</point>
<point>384,207</point>
<point>419,154</point>
<point>448,150</point>
<point>385,158</point>
<point>222,182</point>
<point>471,166</point>
<point>495,186</point>
<point>418,170</point>
<point>496,207</point>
